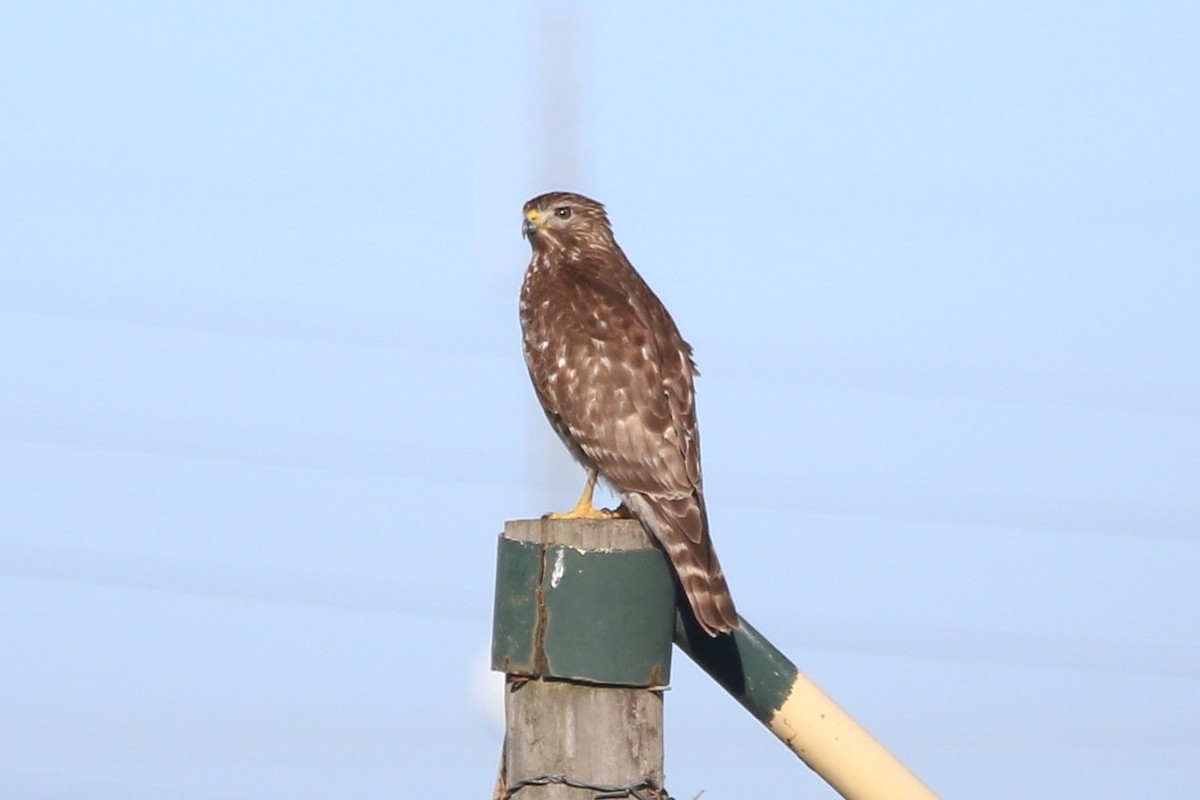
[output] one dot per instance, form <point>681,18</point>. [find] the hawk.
<point>615,379</point>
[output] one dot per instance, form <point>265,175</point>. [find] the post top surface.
<point>584,534</point>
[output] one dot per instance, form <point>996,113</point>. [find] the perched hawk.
<point>615,380</point>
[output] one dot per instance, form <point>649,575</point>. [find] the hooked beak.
<point>530,226</point>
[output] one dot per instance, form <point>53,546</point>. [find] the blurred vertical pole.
<point>558,148</point>
<point>559,126</point>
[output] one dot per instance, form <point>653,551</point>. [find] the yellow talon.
<point>584,510</point>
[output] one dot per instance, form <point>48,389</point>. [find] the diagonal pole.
<point>826,738</point>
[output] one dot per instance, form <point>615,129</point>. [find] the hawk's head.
<point>562,220</point>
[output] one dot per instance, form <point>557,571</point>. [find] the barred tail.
<point>680,525</point>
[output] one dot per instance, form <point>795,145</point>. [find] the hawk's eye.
<point>563,212</point>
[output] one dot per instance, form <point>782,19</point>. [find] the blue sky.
<point>264,409</point>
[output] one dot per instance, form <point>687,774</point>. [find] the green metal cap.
<point>567,609</point>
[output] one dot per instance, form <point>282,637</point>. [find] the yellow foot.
<point>588,513</point>
<point>583,509</point>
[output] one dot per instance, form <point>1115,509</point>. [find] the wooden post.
<point>594,739</point>
<point>569,738</point>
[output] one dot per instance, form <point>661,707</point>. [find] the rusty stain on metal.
<point>656,675</point>
<point>540,667</point>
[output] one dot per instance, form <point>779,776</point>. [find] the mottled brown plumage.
<point>615,380</point>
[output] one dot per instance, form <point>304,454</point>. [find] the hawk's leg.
<point>584,510</point>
